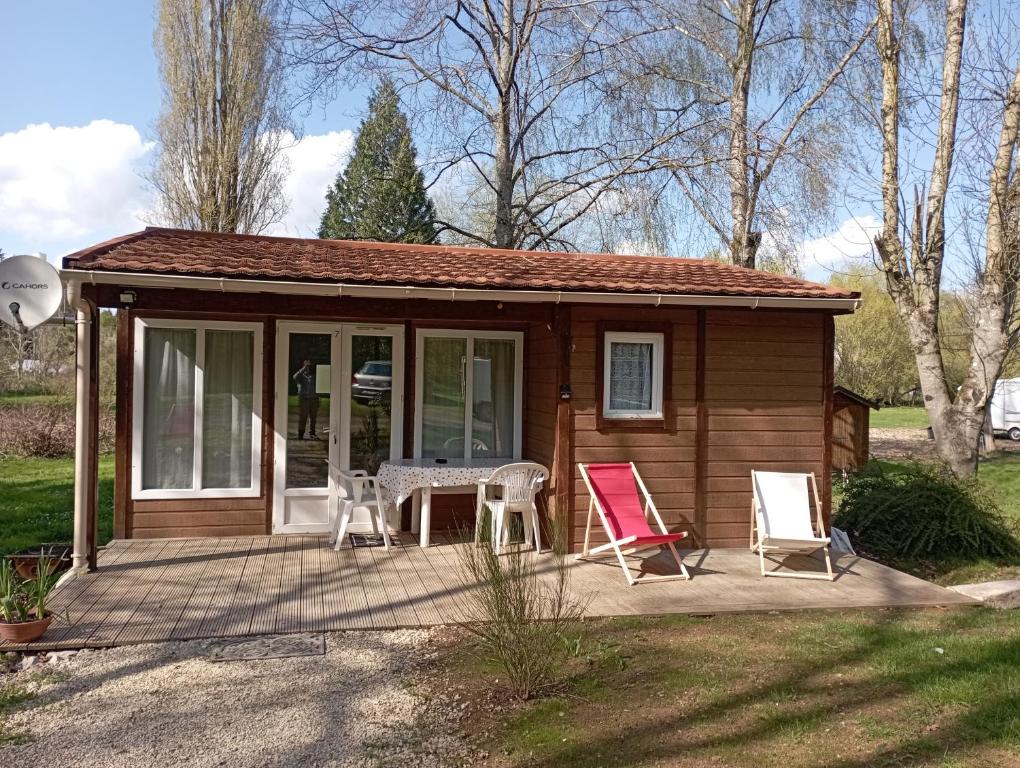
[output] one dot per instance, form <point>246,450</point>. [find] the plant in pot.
<point>24,615</point>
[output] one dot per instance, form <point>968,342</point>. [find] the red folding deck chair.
<point>613,489</point>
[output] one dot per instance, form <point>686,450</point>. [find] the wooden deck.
<point>178,589</point>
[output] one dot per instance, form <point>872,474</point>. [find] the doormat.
<point>370,540</point>
<point>267,647</point>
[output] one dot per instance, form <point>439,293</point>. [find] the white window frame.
<point>254,489</point>
<point>419,371</point>
<point>657,340</point>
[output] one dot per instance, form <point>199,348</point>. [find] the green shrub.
<point>923,511</point>
<point>520,616</point>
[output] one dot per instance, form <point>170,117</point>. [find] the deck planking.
<point>175,589</point>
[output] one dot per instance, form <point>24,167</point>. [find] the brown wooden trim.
<point>175,302</point>
<point>210,504</point>
<point>410,353</point>
<point>700,440</point>
<point>563,450</point>
<point>602,424</point>
<point>268,418</point>
<point>828,365</point>
<point>125,401</point>
<point>92,513</point>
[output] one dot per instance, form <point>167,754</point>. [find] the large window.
<point>468,410</point>
<point>632,375</point>
<point>196,409</point>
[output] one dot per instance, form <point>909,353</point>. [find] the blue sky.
<point>80,97</point>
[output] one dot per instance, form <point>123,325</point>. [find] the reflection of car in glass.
<point>372,382</point>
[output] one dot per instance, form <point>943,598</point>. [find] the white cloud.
<point>314,162</point>
<point>852,241</point>
<point>67,183</point>
<point>65,187</point>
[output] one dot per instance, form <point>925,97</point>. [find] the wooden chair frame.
<point>620,546</point>
<point>809,546</point>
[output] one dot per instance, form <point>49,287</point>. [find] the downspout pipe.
<point>82,424</point>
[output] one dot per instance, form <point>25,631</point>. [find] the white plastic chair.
<point>356,490</point>
<point>517,485</point>
<point>781,520</point>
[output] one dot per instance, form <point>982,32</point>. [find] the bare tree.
<point>912,245</point>
<point>753,77</point>
<point>512,91</point>
<point>222,127</point>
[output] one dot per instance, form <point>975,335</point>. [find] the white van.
<point>1006,408</point>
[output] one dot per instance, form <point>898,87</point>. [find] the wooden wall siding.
<point>253,516</point>
<point>750,389</point>
<point>198,517</point>
<point>765,409</point>
<point>191,518</point>
<point>757,403</point>
<point>541,391</point>
<point>665,457</point>
<point>850,427</point>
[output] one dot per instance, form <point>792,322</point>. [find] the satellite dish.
<point>30,291</point>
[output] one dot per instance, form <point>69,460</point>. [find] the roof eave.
<point>295,288</point>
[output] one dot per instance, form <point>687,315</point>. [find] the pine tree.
<point>381,194</point>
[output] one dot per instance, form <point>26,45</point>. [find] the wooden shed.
<point>696,371</point>
<point>851,417</point>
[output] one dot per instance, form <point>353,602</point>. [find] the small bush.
<point>520,617</point>
<point>923,511</point>
<point>46,431</point>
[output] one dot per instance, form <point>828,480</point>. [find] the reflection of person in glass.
<point>308,400</point>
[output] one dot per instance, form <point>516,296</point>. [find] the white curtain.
<point>492,422</point>
<point>630,376</point>
<point>168,431</point>
<point>443,398</point>
<point>228,382</point>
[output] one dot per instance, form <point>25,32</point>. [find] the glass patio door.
<point>339,398</point>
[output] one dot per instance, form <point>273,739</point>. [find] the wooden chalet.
<point>243,362</point>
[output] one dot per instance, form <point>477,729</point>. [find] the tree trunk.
<point>503,228</point>
<point>743,242</point>
<point>504,233</point>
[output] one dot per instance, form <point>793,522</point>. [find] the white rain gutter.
<point>295,288</point>
<point>83,333</point>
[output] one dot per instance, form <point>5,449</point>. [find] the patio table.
<point>404,478</point>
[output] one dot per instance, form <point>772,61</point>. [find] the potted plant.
<point>24,615</point>
<point>26,561</point>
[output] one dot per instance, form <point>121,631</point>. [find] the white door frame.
<point>340,394</point>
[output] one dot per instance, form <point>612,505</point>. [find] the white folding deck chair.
<point>613,489</point>
<point>517,485</point>
<point>356,490</point>
<point>781,520</point>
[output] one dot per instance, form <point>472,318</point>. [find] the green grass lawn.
<point>37,501</point>
<point>899,416</point>
<point>1002,476</point>
<point>875,688</point>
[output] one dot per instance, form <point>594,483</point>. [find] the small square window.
<point>632,376</point>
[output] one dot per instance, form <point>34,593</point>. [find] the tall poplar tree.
<point>381,195</point>
<point>223,123</point>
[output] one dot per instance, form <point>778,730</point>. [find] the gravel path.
<point>166,705</point>
<point>913,443</point>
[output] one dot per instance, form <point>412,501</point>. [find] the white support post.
<point>82,426</point>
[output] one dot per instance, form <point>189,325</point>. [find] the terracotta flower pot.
<point>25,631</point>
<point>26,562</point>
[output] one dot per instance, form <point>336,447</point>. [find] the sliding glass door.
<point>339,400</point>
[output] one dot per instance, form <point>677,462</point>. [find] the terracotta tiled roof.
<point>205,254</point>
